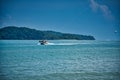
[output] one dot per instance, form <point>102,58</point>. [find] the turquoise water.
<point>59,60</point>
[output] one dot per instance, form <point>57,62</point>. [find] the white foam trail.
<point>60,44</point>
<point>63,43</point>
<point>50,44</point>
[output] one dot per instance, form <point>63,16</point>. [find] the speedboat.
<point>43,42</point>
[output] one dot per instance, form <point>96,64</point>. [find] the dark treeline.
<point>23,33</point>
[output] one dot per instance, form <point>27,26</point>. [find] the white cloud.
<point>103,8</point>
<point>94,5</point>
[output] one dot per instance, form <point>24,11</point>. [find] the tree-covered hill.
<point>23,33</point>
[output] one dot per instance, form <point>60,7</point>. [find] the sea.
<point>59,60</point>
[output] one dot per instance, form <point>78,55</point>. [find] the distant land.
<point>24,33</point>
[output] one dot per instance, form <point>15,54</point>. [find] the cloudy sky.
<point>99,18</point>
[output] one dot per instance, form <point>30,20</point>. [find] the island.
<point>25,33</point>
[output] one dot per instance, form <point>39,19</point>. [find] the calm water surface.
<point>59,60</point>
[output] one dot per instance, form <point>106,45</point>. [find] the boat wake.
<point>60,44</point>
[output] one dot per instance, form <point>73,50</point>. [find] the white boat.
<point>43,42</point>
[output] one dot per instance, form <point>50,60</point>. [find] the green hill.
<point>23,33</point>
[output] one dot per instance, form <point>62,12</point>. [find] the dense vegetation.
<point>22,33</point>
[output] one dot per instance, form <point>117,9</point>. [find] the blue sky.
<point>99,18</point>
